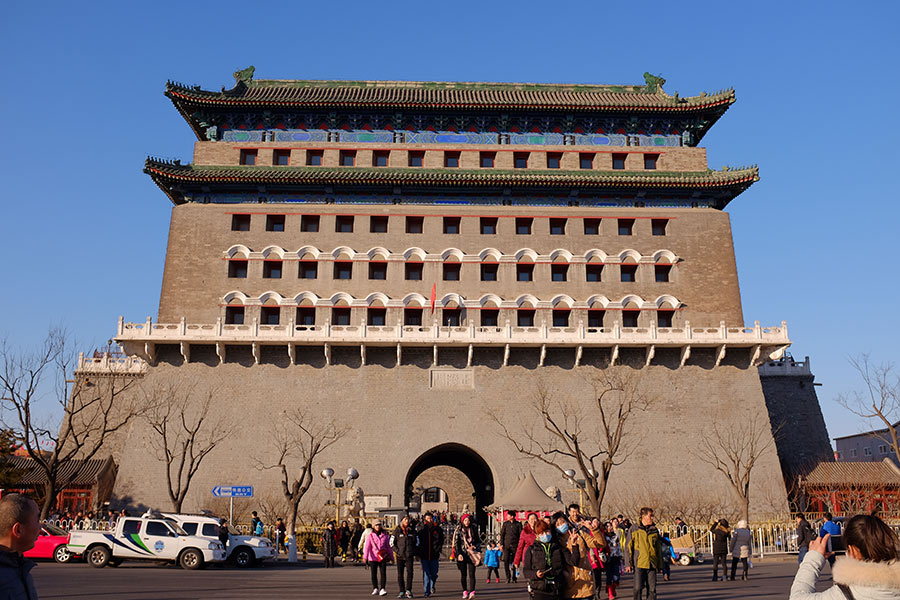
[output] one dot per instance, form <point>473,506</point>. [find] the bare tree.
<point>879,401</point>
<point>96,407</point>
<point>593,433</point>
<point>179,414</point>
<point>299,439</point>
<point>732,446</point>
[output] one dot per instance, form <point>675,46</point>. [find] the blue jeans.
<point>429,574</point>
<point>802,554</point>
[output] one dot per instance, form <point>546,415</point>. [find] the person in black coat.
<point>509,541</point>
<point>223,532</point>
<point>544,565</point>
<point>403,542</point>
<point>429,542</point>
<point>721,535</point>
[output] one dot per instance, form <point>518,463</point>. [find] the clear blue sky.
<point>816,83</point>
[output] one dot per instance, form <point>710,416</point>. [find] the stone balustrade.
<point>109,364</point>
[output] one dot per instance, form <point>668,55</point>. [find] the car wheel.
<point>243,557</point>
<point>684,560</point>
<point>99,556</point>
<point>62,554</point>
<point>191,559</point>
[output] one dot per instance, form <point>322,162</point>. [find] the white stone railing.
<point>392,334</point>
<point>785,366</point>
<point>129,365</point>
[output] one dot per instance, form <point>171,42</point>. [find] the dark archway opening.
<point>465,460</point>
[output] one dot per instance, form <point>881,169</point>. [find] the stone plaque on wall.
<point>452,379</point>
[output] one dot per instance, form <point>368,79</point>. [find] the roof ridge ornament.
<point>654,83</point>
<point>244,75</point>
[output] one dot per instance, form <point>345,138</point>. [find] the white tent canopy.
<point>526,494</point>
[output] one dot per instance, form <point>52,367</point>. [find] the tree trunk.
<point>49,498</point>
<point>292,534</point>
<point>176,505</point>
<point>745,508</point>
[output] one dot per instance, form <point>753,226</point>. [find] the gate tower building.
<point>410,255</point>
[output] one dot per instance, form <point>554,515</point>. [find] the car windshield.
<point>54,530</point>
<point>176,527</point>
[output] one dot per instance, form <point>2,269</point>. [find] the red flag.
<point>433,296</point>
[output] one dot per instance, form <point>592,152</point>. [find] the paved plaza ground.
<point>139,580</point>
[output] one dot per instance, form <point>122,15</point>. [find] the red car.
<point>51,543</point>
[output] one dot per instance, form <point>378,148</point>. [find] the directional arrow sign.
<point>233,491</point>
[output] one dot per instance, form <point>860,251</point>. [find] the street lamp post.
<point>332,483</point>
<point>569,475</point>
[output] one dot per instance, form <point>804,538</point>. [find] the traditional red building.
<point>847,488</point>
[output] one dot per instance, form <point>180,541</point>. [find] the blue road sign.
<point>233,491</point>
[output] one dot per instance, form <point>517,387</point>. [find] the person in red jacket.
<point>526,539</point>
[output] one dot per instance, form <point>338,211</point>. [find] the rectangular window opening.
<point>586,160</point>
<point>523,225</point>
<point>234,315</point>
<point>451,317</point>
<point>413,271</point>
<point>416,159</point>
<point>414,224</point>
<point>240,222</point>
<point>525,272</point>
<point>248,157</point>
<point>343,224</point>
<point>659,226</point>
<point>237,269</point>
<point>376,317</point>
<point>592,227</point>
<point>553,160</point>
<point>343,270</point>
<point>664,318</point>
<point>650,161</point>
<point>626,226</point>
<point>628,272</point>
<point>618,161</point>
<point>593,273</point>
<point>489,271</point>
<point>561,318</point>
<point>525,317</point>
<point>451,271</point>
<point>270,315</point>
<point>412,317</point>
<point>309,269</point>
<point>272,269</point>
<point>451,225</point>
<point>378,271</point>
<point>348,158</point>
<point>595,318</point>
<point>490,317</point>
<point>309,223</point>
<point>662,273</point>
<point>306,316</point>
<point>557,226</point>
<point>282,158</point>
<point>274,222</point>
<point>630,318</point>
<point>487,159</point>
<point>380,158</point>
<point>488,225</point>
<point>340,316</point>
<point>378,224</point>
<point>520,160</point>
<point>451,159</point>
<point>559,272</point>
<point>314,158</point>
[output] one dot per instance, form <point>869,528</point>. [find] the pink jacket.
<point>376,542</point>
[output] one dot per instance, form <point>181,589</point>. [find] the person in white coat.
<point>869,571</point>
<point>741,548</point>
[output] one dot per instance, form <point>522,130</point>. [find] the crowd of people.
<point>561,556</point>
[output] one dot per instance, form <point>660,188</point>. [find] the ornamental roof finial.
<point>654,82</point>
<point>245,75</point>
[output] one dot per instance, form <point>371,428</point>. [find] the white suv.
<point>243,550</point>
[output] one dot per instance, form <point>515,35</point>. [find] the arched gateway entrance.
<point>463,459</point>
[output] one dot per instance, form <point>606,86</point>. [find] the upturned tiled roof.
<point>842,473</point>
<point>87,471</point>
<point>167,172</point>
<point>445,95</point>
